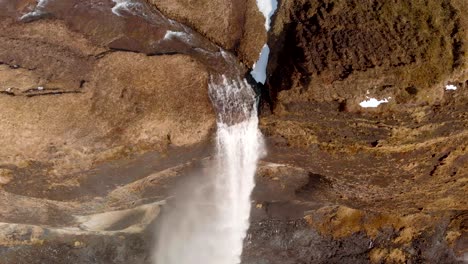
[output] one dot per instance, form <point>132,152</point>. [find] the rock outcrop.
<point>343,51</point>
<point>59,92</point>
<point>236,25</point>
<point>406,159</point>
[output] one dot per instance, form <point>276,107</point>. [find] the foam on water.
<point>209,220</point>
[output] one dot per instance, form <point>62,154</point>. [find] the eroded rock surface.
<point>236,25</point>
<point>343,51</point>
<point>60,92</point>
<point>404,159</point>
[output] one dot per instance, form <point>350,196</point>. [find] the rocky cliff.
<point>101,118</point>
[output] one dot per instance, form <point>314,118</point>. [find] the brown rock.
<point>399,169</point>
<point>340,50</point>
<point>234,24</point>
<point>254,35</point>
<point>219,20</point>
<point>65,98</point>
<point>5,176</point>
<point>161,98</point>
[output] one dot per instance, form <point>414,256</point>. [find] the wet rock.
<point>345,235</point>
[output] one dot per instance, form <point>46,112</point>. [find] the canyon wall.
<point>98,117</point>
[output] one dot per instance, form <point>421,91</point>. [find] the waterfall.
<point>209,218</point>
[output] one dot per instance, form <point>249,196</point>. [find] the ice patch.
<point>268,8</point>
<point>450,87</point>
<point>372,102</point>
<point>41,4</point>
<point>176,34</point>
<point>129,6</point>
<point>120,5</point>
<point>259,68</point>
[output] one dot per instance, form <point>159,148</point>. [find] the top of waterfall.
<point>268,8</point>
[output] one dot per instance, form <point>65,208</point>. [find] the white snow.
<point>120,4</point>
<point>259,68</point>
<point>40,88</point>
<point>372,102</point>
<point>176,34</point>
<point>268,8</point>
<point>450,87</point>
<point>134,8</point>
<point>37,10</point>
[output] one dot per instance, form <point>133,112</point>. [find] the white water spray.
<point>210,217</point>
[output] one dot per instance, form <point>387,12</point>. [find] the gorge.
<point>125,128</point>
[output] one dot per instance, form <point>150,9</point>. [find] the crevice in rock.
<point>103,54</point>
<point>35,92</point>
<point>82,83</point>
<point>53,93</point>
<point>15,66</point>
<point>441,162</point>
<point>457,44</point>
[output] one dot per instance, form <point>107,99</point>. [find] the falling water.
<point>210,217</point>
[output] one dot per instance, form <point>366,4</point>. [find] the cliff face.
<point>69,98</point>
<point>99,115</point>
<point>405,160</point>
<point>341,50</point>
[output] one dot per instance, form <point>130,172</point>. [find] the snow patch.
<point>41,4</point>
<point>120,5</point>
<point>176,34</point>
<point>259,68</point>
<point>372,102</point>
<point>268,8</point>
<point>134,8</point>
<point>450,87</point>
